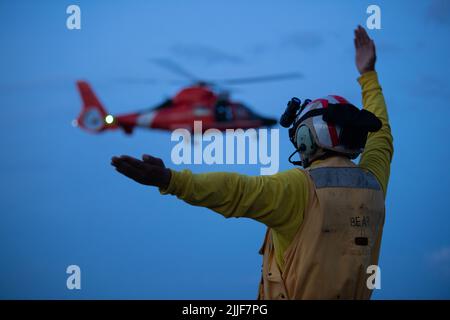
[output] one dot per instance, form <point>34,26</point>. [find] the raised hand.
<point>365,51</point>
<point>150,171</point>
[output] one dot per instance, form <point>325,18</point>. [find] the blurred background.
<point>62,203</point>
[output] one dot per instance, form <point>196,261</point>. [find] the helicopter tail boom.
<point>93,116</point>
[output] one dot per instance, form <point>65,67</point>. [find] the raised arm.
<point>379,148</point>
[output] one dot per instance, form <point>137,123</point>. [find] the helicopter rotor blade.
<point>265,78</point>
<point>175,68</point>
<point>136,80</point>
<point>151,81</point>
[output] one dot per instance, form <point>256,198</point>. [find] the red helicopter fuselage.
<point>195,103</point>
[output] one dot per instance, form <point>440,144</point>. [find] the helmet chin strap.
<point>295,163</point>
<point>321,155</point>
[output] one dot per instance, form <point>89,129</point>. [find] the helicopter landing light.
<point>109,119</point>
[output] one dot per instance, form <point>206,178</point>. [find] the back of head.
<point>329,126</point>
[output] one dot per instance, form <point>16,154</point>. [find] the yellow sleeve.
<point>278,200</point>
<point>379,147</point>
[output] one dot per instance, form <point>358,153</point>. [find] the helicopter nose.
<point>269,122</point>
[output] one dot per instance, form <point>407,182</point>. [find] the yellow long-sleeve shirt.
<point>279,200</point>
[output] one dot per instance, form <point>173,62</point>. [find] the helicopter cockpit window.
<point>223,112</point>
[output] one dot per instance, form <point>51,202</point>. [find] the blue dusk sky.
<point>62,203</point>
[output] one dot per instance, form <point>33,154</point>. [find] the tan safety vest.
<point>339,237</point>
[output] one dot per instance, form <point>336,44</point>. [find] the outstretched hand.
<point>365,51</point>
<point>150,171</point>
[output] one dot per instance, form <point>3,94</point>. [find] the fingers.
<point>152,160</point>
<point>138,164</point>
<point>115,161</point>
<point>358,38</point>
<point>128,170</point>
<point>121,162</point>
<point>134,162</point>
<point>150,171</point>
<point>356,42</point>
<point>364,34</point>
<point>146,159</point>
<point>361,37</point>
<point>364,37</point>
<point>120,159</point>
<point>373,45</point>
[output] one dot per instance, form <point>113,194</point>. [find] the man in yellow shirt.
<point>324,221</point>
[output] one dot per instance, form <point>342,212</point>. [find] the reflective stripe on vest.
<point>338,177</point>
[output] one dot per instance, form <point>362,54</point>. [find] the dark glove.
<point>150,171</point>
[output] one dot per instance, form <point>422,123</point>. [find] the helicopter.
<point>204,101</point>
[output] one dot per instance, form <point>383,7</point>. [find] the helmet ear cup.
<point>305,142</point>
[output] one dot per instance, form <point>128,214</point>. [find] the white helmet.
<point>331,124</point>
